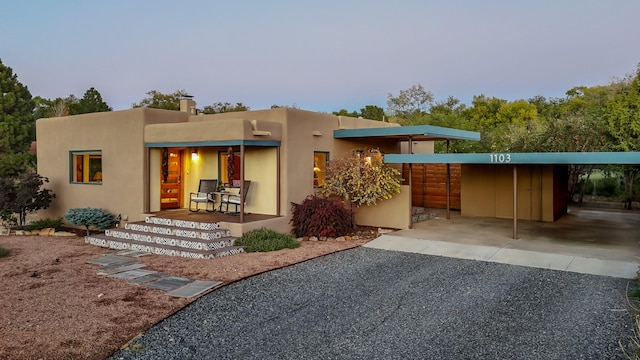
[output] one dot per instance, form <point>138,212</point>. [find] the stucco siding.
<point>118,135</point>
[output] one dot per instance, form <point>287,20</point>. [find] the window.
<point>86,167</point>
<point>223,161</point>
<point>320,160</point>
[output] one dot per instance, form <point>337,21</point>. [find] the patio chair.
<point>204,195</point>
<point>234,200</point>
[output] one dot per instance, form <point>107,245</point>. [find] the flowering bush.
<point>362,178</point>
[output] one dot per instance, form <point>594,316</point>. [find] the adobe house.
<point>142,161</point>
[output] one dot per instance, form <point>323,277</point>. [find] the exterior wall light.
<point>194,154</point>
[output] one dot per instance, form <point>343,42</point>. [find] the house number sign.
<point>500,158</point>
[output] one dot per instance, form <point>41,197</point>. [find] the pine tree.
<point>17,127</point>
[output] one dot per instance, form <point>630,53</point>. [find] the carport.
<point>498,162</point>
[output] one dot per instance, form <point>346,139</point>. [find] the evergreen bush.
<point>90,217</point>
<point>56,224</point>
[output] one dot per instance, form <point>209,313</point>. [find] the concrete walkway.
<point>588,241</point>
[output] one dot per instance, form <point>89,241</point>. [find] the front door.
<point>171,176</point>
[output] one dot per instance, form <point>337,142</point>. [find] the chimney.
<point>188,105</point>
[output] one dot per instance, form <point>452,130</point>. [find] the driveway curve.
<point>375,304</point>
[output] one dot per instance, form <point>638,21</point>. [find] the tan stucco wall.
<point>119,136</point>
<point>392,213</point>
<point>487,190</point>
<point>212,130</point>
<point>131,184</point>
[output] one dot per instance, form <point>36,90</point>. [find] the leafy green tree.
<point>17,128</point>
<point>158,100</point>
<point>23,195</point>
<point>345,112</point>
<point>224,107</point>
<point>372,112</point>
<point>361,178</point>
<point>410,105</point>
<point>89,103</point>
<point>623,118</point>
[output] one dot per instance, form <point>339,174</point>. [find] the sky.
<point>317,55</point>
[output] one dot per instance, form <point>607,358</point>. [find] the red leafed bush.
<point>320,217</point>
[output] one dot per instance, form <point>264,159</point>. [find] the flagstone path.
<point>122,265</point>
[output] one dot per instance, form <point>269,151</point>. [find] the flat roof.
<point>594,158</point>
<point>214,143</point>
<point>416,132</point>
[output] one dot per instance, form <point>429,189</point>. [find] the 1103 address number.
<point>500,158</point>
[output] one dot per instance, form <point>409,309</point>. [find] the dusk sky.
<point>317,55</point>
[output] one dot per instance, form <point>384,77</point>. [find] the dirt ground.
<point>53,305</point>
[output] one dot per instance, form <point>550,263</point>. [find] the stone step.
<point>172,240</point>
<point>104,240</point>
<point>145,227</point>
<point>187,224</point>
<point>423,217</point>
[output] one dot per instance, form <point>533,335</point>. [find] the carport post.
<point>410,150</point>
<point>515,202</point>
<point>448,186</point>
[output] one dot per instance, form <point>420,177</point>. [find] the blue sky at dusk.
<point>317,55</point>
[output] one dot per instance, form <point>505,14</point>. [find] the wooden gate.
<point>429,185</point>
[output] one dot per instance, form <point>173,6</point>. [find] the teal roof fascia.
<point>600,158</point>
<point>214,143</point>
<point>430,131</point>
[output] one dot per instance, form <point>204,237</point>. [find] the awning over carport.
<point>595,158</point>
<point>551,158</point>
<point>415,133</point>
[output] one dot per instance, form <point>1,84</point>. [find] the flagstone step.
<point>104,240</point>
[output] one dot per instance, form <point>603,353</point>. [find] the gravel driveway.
<point>376,304</point>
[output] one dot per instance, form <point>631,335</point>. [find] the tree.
<point>361,178</point>
<point>17,128</point>
<point>23,195</point>
<point>623,118</point>
<point>410,104</point>
<point>224,107</point>
<point>158,100</point>
<point>345,112</point>
<point>91,102</point>
<point>372,112</point>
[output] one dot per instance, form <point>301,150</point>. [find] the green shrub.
<point>22,195</point>
<point>262,240</point>
<point>90,217</point>
<point>321,217</point>
<point>45,223</point>
<point>3,252</point>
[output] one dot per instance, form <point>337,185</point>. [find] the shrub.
<point>3,252</point>
<point>320,217</point>
<point>263,240</point>
<point>45,223</point>
<point>22,195</point>
<point>361,177</point>
<point>87,217</point>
